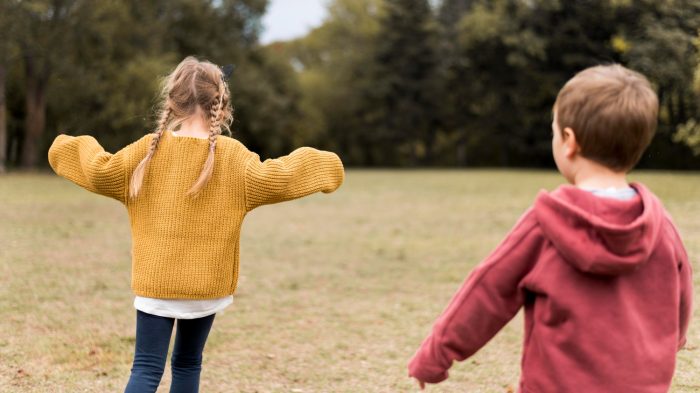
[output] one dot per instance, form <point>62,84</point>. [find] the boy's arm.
<point>488,299</point>
<point>686,282</point>
<point>303,172</point>
<point>685,273</point>
<point>83,161</point>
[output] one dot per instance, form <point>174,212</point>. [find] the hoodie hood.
<point>599,235</point>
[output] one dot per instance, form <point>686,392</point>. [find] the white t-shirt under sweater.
<point>181,308</point>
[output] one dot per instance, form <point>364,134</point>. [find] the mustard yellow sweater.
<point>182,247</point>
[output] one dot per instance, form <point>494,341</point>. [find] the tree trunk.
<point>3,122</point>
<point>461,146</point>
<point>35,120</point>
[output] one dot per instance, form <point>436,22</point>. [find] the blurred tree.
<point>334,64</point>
<point>383,82</point>
<point>71,51</point>
<point>118,65</point>
<point>106,83</point>
<point>499,65</point>
<point>267,95</point>
<point>3,120</point>
<point>264,91</point>
<point>8,52</point>
<point>689,132</point>
<point>511,59</point>
<point>451,11</point>
<point>218,30</point>
<point>451,70</point>
<point>659,41</point>
<point>94,67</point>
<point>404,100</point>
<point>41,42</point>
<point>574,35</point>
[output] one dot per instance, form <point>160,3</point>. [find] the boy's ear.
<point>571,147</point>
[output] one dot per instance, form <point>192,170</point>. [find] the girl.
<point>187,189</point>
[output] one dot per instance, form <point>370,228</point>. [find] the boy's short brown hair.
<point>613,113</point>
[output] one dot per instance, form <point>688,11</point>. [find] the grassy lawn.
<point>336,291</point>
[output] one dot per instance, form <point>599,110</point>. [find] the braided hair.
<point>140,171</point>
<point>214,131</point>
<point>193,87</point>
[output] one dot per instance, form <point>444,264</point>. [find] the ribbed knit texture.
<point>185,247</point>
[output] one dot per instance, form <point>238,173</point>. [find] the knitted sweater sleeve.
<point>303,172</point>
<point>83,161</point>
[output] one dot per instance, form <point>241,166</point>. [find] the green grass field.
<point>336,291</point>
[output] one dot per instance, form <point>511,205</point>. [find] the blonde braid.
<point>214,131</point>
<point>214,127</point>
<point>140,171</point>
<point>226,123</point>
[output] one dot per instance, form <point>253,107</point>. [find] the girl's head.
<point>194,88</point>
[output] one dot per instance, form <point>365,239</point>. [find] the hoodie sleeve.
<point>487,300</point>
<point>83,161</point>
<point>685,274</point>
<point>303,172</point>
<point>686,301</point>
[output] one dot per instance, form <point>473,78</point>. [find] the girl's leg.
<point>152,341</point>
<point>186,361</point>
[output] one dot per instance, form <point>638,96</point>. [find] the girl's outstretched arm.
<point>83,161</point>
<point>305,171</point>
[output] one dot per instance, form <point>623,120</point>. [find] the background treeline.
<point>382,82</point>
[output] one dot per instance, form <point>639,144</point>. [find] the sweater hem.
<point>183,296</point>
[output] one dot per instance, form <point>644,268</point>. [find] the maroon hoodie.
<point>606,287</point>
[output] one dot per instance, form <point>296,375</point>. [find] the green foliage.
<point>266,97</point>
<point>335,65</point>
<point>661,37</point>
<point>395,82</point>
<point>402,103</point>
<point>689,133</point>
<point>511,57</point>
<point>100,64</point>
<point>383,82</point>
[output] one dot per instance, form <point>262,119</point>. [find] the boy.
<point>598,265</point>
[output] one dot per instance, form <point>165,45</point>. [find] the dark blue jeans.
<point>152,342</point>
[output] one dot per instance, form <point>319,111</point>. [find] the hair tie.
<point>227,71</point>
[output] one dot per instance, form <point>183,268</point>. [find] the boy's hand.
<point>421,384</point>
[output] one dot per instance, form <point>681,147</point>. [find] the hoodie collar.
<point>600,235</point>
